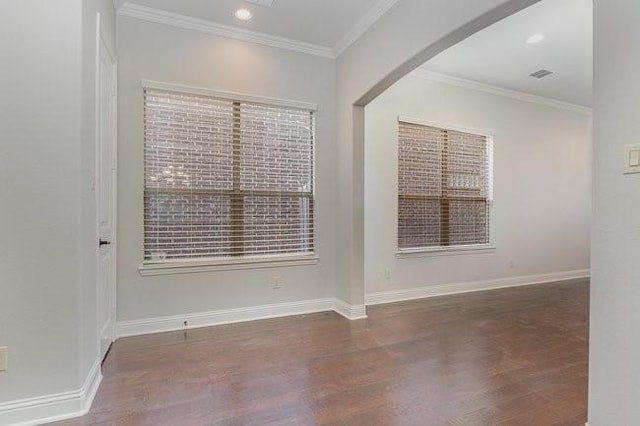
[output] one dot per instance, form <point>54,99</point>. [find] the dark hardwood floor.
<point>505,357</point>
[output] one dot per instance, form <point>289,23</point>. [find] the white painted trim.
<point>102,41</point>
<point>488,133</point>
<point>498,91</point>
<point>182,88</point>
<point>445,251</point>
<point>350,312</point>
<point>186,22</point>
<point>230,316</point>
<point>196,266</point>
<point>468,287</point>
<point>227,316</point>
<point>54,407</point>
<point>361,27</point>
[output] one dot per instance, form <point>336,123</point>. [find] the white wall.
<point>542,186</point>
<point>614,376</point>
<point>162,53</point>
<point>39,175</point>
<point>409,34</point>
<point>47,244</point>
<point>45,233</point>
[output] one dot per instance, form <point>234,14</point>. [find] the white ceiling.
<point>320,22</point>
<point>499,56</point>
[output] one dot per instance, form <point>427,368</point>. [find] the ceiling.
<point>499,55</point>
<point>319,22</point>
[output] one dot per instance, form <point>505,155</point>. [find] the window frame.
<point>178,266</point>
<point>461,249</point>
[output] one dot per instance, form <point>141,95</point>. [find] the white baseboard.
<point>350,312</point>
<point>468,287</point>
<point>55,407</point>
<point>230,316</point>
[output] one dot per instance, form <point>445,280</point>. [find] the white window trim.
<point>445,251</point>
<point>182,266</point>
<point>489,133</point>
<point>231,96</point>
<point>171,267</point>
<point>417,252</point>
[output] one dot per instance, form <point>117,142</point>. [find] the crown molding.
<point>186,22</point>
<point>125,8</point>
<point>498,91</point>
<point>370,18</point>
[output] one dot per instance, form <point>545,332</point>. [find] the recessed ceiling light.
<point>243,14</point>
<point>536,38</point>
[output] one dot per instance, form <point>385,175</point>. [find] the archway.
<point>409,34</point>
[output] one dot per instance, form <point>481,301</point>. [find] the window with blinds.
<point>444,187</point>
<point>225,178</point>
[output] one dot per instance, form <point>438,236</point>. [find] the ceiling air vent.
<point>541,73</point>
<point>265,3</point>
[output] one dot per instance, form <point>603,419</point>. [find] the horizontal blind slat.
<point>195,203</point>
<point>444,187</point>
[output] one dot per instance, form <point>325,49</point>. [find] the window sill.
<point>445,251</point>
<point>211,265</point>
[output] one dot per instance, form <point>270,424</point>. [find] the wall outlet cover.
<point>276,282</point>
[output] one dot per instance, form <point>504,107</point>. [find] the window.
<point>225,179</point>
<point>444,188</point>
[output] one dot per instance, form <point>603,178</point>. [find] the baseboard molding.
<point>230,316</point>
<point>54,407</point>
<point>350,312</point>
<point>468,287</point>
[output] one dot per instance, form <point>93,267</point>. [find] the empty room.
<point>296,212</point>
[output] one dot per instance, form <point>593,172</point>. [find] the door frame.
<point>102,42</point>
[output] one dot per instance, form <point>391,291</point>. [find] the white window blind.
<point>444,187</point>
<point>225,178</point>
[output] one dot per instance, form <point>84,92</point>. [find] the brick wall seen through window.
<point>444,187</point>
<point>225,178</point>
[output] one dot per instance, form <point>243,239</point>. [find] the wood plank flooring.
<point>505,357</point>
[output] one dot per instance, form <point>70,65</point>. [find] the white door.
<point>106,141</point>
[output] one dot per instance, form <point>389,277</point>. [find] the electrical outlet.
<point>4,358</point>
<point>276,283</point>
